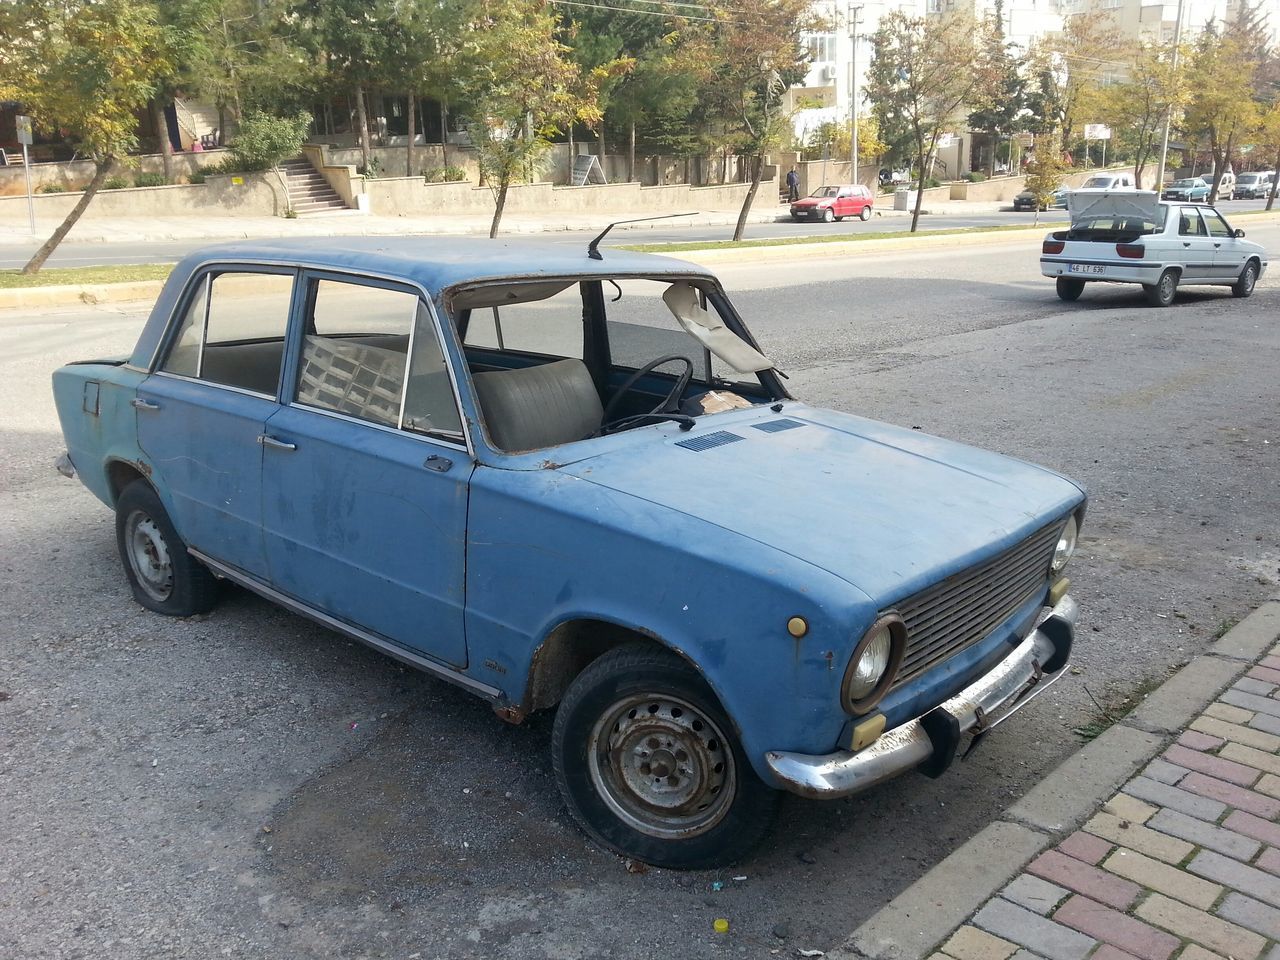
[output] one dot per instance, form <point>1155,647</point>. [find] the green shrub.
<point>454,174</point>
<point>373,171</point>
<point>197,176</point>
<point>264,140</point>
<point>150,180</point>
<point>433,174</point>
<point>116,183</point>
<point>51,188</point>
<point>975,176</point>
<point>933,182</point>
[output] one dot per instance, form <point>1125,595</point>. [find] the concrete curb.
<point>914,923</point>
<point>73,294</point>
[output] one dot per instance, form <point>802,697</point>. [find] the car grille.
<point>949,616</point>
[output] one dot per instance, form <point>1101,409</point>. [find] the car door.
<point>844,203</point>
<point>1228,253</point>
<point>365,468</point>
<point>1197,250</point>
<point>202,409</point>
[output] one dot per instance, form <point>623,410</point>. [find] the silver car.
<point>1134,237</point>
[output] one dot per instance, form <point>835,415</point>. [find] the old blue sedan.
<point>576,481</point>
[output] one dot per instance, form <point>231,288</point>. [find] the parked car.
<point>1026,200</point>
<point>575,481</point>
<point>1255,186</point>
<point>834,202</point>
<point>1110,181</point>
<point>1136,238</point>
<point>1192,189</point>
<point>1226,185</point>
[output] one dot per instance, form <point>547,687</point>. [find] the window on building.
<point>821,47</point>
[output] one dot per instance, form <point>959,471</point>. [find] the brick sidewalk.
<point>1183,862</point>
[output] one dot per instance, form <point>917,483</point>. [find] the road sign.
<point>586,168</point>
<point>24,130</point>
<point>1097,131</point>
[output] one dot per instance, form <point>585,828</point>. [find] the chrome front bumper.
<point>930,741</point>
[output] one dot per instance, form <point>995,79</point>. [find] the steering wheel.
<point>669,403</point>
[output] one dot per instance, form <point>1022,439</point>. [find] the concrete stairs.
<point>309,193</point>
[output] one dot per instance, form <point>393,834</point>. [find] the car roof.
<point>440,262</point>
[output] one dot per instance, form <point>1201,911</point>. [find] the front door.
<point>1197,251</point>
<point>1228,254</point>
<point>202,410</point>
<point>365,472</point>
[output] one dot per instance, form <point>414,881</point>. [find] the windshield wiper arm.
<point>686,422</point>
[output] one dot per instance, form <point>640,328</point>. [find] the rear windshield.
<point>1115,229</point>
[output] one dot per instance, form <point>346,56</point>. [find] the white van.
<point>1110,181</point>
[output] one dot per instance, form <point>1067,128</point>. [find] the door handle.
<point>140,404</point>
<point>269,441</point>
<point>437,463</point>
<point>1185,243</point>
<point>1217,244</point>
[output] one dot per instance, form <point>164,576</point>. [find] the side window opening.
<point>359,342</point>
<point>233,331</point>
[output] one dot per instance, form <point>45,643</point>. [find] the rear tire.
<point>865,215</point>
<point>1248,280</point>
<point>1069,288</point>
<point>649,764</point>
<point>162,575</point>
<point>1162,292</point>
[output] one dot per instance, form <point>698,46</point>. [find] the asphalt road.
<point>249,785</point>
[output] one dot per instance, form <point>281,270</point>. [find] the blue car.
<point>1190,189</point>
<point>574,481</point>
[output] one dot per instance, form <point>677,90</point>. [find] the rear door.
<point>202,409</point>
<point>366,469</point>
<point>1197,250</point>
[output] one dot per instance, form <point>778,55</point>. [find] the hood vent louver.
<point>777,426</point>
<point>708,440</point>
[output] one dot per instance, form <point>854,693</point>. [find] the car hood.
<point>888,510</point>
<point>811,201</point>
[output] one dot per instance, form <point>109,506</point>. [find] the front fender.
<point>545,548</point>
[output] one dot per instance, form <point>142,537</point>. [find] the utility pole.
<point>853,93</point>
<point>1168,113</point>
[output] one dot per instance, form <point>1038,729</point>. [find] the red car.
<point>834,203</point>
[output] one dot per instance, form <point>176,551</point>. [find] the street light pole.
<point>1168,113</point>
<point>853,94</point>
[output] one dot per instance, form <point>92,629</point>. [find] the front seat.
<point>543,406</point>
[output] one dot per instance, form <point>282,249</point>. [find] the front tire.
<point>827,215</point>
<point>162,575</point>
<point>1162,292</point>
<point>1070,288</point>
<point>649,764</point>
<point>1243,287</point>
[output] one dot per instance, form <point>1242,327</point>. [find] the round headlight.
<point>874,664</point>
<point>1066,546</point>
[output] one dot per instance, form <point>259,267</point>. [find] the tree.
<point>522,88</point>
<point>1220,108</point>
<point>264,141</point>
<point>1268,143</point>
<point>185,27</point>
<point>755,56</point>
<point>923,72</point>
<point>1137,106</point>
<point>1044,171</point>
<point>1000,100</point>
<point>86,66</point>
<point>1069,68</point>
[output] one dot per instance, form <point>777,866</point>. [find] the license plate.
<point>1084,268</point>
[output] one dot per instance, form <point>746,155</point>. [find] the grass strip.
<point>67,276</point>
<point>830,238</point>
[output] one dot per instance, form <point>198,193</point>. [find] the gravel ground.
<point>250,785</point>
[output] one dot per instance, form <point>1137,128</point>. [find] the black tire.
<point>162,575</point>
<point>1070,288</point>
<point>1243,287</point>
<point>865,215</point>
<point>642,692</point>
<point>828,215</point>
<point>1162,292</point>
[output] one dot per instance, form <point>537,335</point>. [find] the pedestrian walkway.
<point>1183,863</point>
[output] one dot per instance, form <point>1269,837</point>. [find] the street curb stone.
<point>914,923</point>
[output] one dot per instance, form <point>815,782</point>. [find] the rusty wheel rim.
<point>662,766</point>
<point>148,556</point>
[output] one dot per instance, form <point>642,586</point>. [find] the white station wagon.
<point>1133,237</point>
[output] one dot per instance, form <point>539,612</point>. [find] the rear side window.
<point>1189,223</point>
<point>232,332</point>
